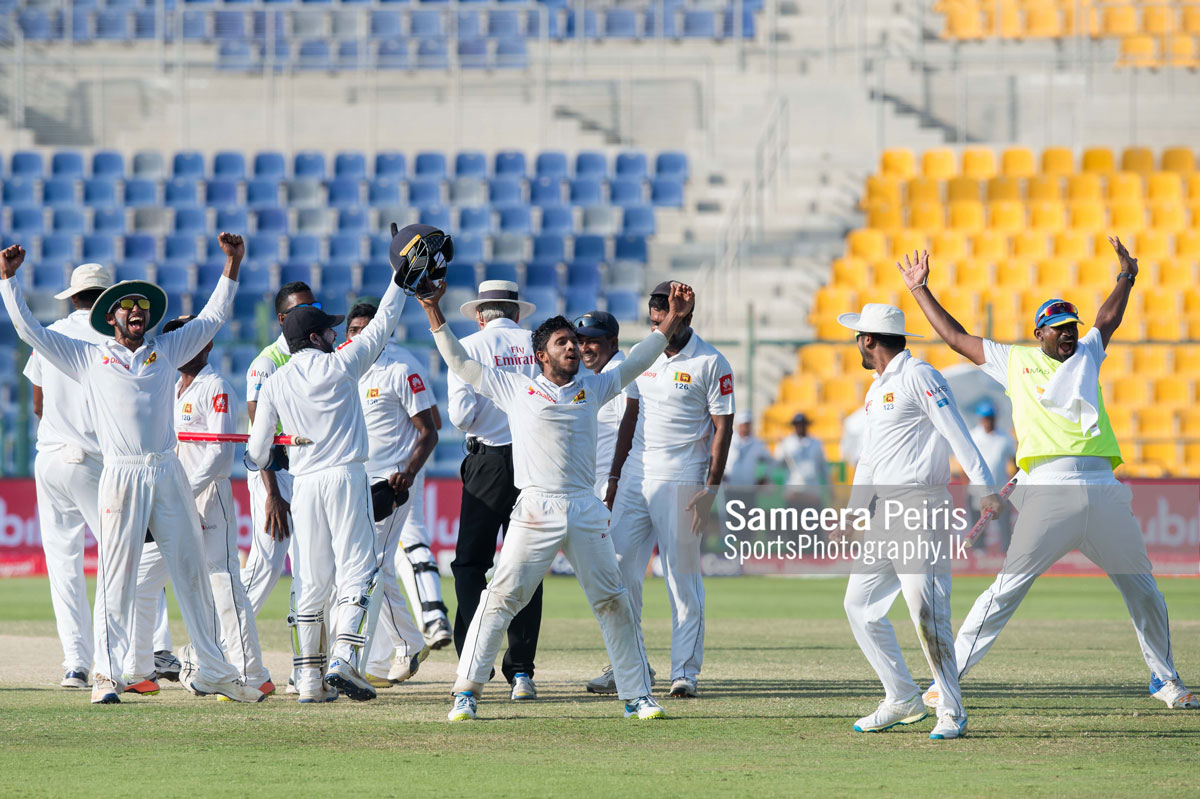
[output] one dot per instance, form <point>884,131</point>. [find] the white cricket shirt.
<point>677,398</point>
<point>913,424</point>
<point>745,455</point>
<point>500,345</point>
<point>392,392</point>
<point>66,419</point>
<point>315,394</point>
<point>608,423</point>
<point>805,460</point>
<point>203,407</point>
<point>131,394</point>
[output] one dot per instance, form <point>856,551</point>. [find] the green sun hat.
<point>129,288</point>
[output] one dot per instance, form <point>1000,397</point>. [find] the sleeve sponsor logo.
<point>943,402</point>
<point>221,403</point>
<point>344,343</point>
<point>726,385</point>
<point>416,384</point>
<point>933,391</point>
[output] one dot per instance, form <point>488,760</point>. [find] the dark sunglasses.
<point>1057,308</point>
<point>589,321</point>
<point>127,304</point>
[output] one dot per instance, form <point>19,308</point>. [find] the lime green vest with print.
<point>279,358</point>
<point>1042,433</point>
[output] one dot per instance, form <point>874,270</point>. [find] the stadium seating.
<point>1038,230</point>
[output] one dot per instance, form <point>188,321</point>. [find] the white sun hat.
<point>877,318</point>
<point>497,291</point>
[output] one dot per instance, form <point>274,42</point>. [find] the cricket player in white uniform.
<point>747,453</point>
<point>553,422</point>
<point>913,424</point>
<point>128,382</point>
<point>673,460</point>
<point>600,351</point>
<point>400,437</point>
<point>202,399</point>
<point>315,394</point>
<point>1068,451</point>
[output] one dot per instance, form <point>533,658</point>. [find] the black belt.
<point>477,447</point>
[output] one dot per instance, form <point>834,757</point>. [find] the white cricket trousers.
<point>151,632</point>
<point>646,512</point>
<point>1089,511</point>
<point>267,557</point>
<point>415,563</point>
<point>68,484</point>
<point>151,492</point>
<point>541,525</point>
<point>870,593</point>
<point>335,539</point>
<point>396,629</point>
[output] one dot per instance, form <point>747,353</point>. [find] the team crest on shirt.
<point>187,407</point>
<point>221,403</point>
<point>683,377</point>
<point>416,384</point>
<point>153,357</point>
<point>372,393</point>
<point>580,397</point>
<point>889,400</point>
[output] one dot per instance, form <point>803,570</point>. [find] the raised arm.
<point>68,354</point>
<point>679,304</point>
<point>460,363</point>
<point>1109,317</point>
<point>364,350</point>
<point>916,276</point>
<point>181,345</point>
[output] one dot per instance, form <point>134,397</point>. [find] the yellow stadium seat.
<point>1191,302</point>
<point>820,359</point>
<point>1187,243</point>
<point>1048,217</point>
<point>1180,51</point>
<point>966,216</point>
<point>963,304</point>
<point>1125,187</point>
<point>1126,218</point>
<point>1032,298</point>
<point>973,273</point>
<point>1003,188</point>
<point>828,329</point>
<point>1137,159</point>
<point>1070,244</point>
<point>867,243</point>
<point>948,245</point>
<point>1163,328</point>
<point>1164,187</point>
<point>1117,21</point>
<point>1003,19</point>
<point>885,217</point>
<point>882,190</point>
<point>927,216</point>
<point>1188,420</point>
<point>962,188</point>
<point>1056,274</point>
<point>1007,216</point>
<point>1169,218</point>
<point>1095,272</point>
<point>1044,188</point>
<point>796,389</point>
<point>963,22</point>
<point>1190,467</point>
<point>898,162</point>
<point>1042,21</point>
<point>1131,391</point>
<point>979,163</point>
<point>908,240</point>
<point>1192,186</point>
<point>1017,162</point>
<point>1154,424</point>
<point>1193,329</point>
<point>1101,246</point>
<point>1178,273</point>
<point>938,164</point>
<point>833,300</point>
<point>852,272</point>
<point>1151,361</point>
<point>1151,244</point>
<point>1158,19</point>
<point>1084,186</point>
<point>840,390</point>
<point>1158,300</point>
<point>989,245</point>
<point>1138,51</point>
<point>1164,453</point>
<point>1058,161</point>
<point>1189,19</point>
<point>1088,215</point>
<point>1014,274</point>
<point>876,294</point>
<point>1030,245</point>
<point>923,190</point>
<point>1121,418</point>
<point>1181,159</point>
<point>1098,160</point>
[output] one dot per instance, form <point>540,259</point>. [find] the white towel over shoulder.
<point>1074,390</point>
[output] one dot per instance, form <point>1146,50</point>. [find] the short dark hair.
<point>891,343</point>
<point>362,310</point>
<point>659,302</point>
<point>287,290</point>
<point>546,329</point>
<point>87,298</point>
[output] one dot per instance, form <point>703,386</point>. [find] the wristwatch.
<point>1132,278</point>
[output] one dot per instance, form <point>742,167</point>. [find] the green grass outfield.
<point>1059,709</point>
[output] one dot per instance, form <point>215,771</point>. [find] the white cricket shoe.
<point>235,689</point>
<point>321,695</point>
<point>1176,695</point>
<point>606,683</point>
<point>437,633</point>
<point>523,689</point>
<point>75,679</point>
<point>889,714</point>
<point>948,727</point>
<point>644,708</point>
<point>683,688</point>
<point>345,678</point>
<point>464,706</point>
<point>932,696</point>
<point>405,667</point>
<point>105,690</point>
<point>167,665</point>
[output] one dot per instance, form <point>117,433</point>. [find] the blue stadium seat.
<point>378,245</point>
<point>631,165</point>
<point>543,275</point>
<point>353,220</point>
<point>729,22</point>
<point>46,280</point>
<point>638,220</point>
<point>470,164</point>
<point>314,221</point>
<point>303,248</point>
<point>583,274</point>
<point>430,165</point>
<point>651,22</point>
<point>26,164</point>
<point>221,193</point>
<point>591,164</point>
<point>194,26</point>
<point>468,249</point>
<point>666,192</point>
<point>188,164</point>
<point>35,25</point>
<point>504,23</point>
<point>67,164</point>
<point>699,23</point>
<point>68,220</point>
<point>207,275</point>
<point>515,219</point>
<point>232,220</point>
<point>475,220</point>
<point>343,192</point>
<point>626,191</point>
<point>229,165</point>
<point>509,163</point>
<point>108,220</point>
<point>462,327</point>
<point>500,271</point>
<point>625,305</point>
<point>505,191</point>
<point>179,193</point>
<point>296,271</point>
<point>421,334</point>
<point>99,247</point>
<point>303,193</point>
<point>468,191</point>
<point>424,193</point>
<point>262,193</point>
<point>18,193</point>
<point>27,222</point>
<point>108,164</point>
<point>270,165</point>
<point>551,164</point>
<point>273,221</point>
<point>512,54</point>
<point>590,25</point>
<point>59,193</point>
<point>236,57</point>
<point>436,215</point>
<point>314,54</point>
<point>579,300</point>
<point>375,277</point>
<point>350,165</point>
<point>557,219</point>
<point>255,279</point>
<point>180,247</point>
<point>58,248</point>
<point>469,24</point>
<point>383,192</point>
<point>309,164</point>
<point>433,54</point>
<point>262,249</point>
<point>620,23</point>
<point>175,279</point>
<point>131,270</point>
<point>229,26</point>
<point>390,165</point>
<point>191,220</point>
<point>587,191</point>
<point>425,23</point>
<point>349,55</point>
<point>549,248</point>
<point>345,248</point>
<point>149,164</point>
<point>545,192</point>
<point>139,247</point>
<point>386,24</point>
<point>145,24</point>
<point>589,247</point>
<point>392,54</point>
<point>627,247</point>
<point>141,193</point>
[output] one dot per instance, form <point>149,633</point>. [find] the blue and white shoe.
<point>947,728</point>
<point>105,690</point>
<point>643,708</point>
<point>1173,693</point>
<point>75,679</point>
<point>464,706</point>
<point>323,695</point>
<point>890,714</point>
<point>523,689</point>
<point>345,678</point>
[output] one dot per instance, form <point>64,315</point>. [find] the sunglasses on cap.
<point>589,321</point>
<point>1054,309</point>
<point>316,305</point>
<point>127,303</point>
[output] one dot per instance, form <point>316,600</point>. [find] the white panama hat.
<point>84,277</point>
<point>497,291</point>
<point>877,318</point>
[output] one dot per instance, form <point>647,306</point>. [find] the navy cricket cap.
<point>597,323</point>
<point>303,320</point>
<point>663,288</point>
<point>1055,313</point>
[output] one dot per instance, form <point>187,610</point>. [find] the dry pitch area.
<point>1058,709</point>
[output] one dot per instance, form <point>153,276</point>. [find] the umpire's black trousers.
<point>488,498</point>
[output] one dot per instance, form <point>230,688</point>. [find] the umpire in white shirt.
<point>488,493</point>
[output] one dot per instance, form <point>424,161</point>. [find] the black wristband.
<point>1132,278</point>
